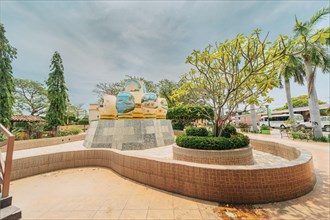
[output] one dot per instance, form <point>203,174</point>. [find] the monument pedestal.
<point>129,134</point>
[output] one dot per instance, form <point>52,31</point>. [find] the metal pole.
<point>268,115</point>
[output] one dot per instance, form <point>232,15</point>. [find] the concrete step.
<point>5,202</point>
<point>10,213</point>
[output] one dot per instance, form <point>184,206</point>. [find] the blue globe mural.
<point>125,102</point>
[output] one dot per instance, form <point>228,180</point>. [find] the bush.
<point>264,127</point>
<point>212,143</point>
<point>70,131</point>
<point>177,126</point>
<point>228,131</point>
<point>243,125</point>
<point>321,139</point>
<point>197,131</point>
<point>83,121</point>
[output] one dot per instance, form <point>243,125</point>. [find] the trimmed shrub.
<point>70,131</point>
<point>83,121</point>
<point>228,131</point>
<point>212,143</point>
<point>177,126</point>
<point>197,131</point>
<point>264,127</point>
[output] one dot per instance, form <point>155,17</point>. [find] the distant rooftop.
<point>26,118</point>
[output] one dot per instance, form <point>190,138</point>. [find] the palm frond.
<point>319,15</point>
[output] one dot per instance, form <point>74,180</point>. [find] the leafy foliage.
<point>186,114</point>
<point>7,88</point>
<point>228,131</point>
<point>70,131</point>
<point>234,72</point>
<point>212,143</point>
<point>57,93</point>
<point>31,97</point>
<point>115,87</point>
<point>265,128</point>
<point>197,131</point>
<point>300,101</point>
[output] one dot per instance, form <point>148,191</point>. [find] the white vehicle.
<point>325,123</point>
<point>277,121</point>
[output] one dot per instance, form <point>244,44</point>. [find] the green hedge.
<point>70,131</point>
<point>212,143</point>
<point>197,131</point>
<point>228,131</point>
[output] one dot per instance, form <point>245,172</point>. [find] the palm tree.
<point>294,68</point>
<point>312,46</point>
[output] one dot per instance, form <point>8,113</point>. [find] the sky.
<point>102,41</point>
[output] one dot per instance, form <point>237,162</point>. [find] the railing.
<point>5,166</point>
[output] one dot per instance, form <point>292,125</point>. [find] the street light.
<point>268,115</point>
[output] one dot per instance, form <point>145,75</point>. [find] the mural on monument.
<point>125,102</point>
<point>134,102</point>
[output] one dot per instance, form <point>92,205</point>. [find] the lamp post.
<point>268,115</point>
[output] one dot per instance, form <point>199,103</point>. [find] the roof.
<point>26,118</point>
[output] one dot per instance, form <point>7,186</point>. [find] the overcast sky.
<point>102,41</point>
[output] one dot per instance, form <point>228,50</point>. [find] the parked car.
<point>325,123</point>
<point>278,121</point>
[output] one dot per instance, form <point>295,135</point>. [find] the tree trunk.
<point>236,118</point>
<point>288,97</point>
<point>313,100</point>
<point>253,117</point>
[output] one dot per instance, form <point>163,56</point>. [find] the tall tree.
<point>312,43</point>
<point>7,87</point>
<point>293,68</point>
<point>233,72</point>
<point>31,97</point>
<point>115,87</point>
<point>57,93</point>
<point>166,88</point>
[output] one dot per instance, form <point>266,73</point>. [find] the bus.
<point>277,121</point>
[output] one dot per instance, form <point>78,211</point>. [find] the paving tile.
<point>179,203</point>
<point>133,214</point>
<point>50,215</point>
<point>160,214</point>
<point>162,202</point>
<point>110,214</point>
<point>187,214</point>
<point>80,215</point>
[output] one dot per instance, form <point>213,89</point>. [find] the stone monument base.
<point>129,134</point>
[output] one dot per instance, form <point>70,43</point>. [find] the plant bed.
<point>198,146</point>
<point>265,131</point>
<point>240,156</point>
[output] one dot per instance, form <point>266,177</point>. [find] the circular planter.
<point>241,156</point>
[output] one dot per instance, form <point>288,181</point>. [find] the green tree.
<point>115,87</point>
<point>300,101</point>
<point>7,87</point>
<point>184,115</point>
<point>57,93</point>
<point>312,42</point>
<point>166,88</point>
<point>73,113</point>
<point>237,71</point>
<point>31,97</point>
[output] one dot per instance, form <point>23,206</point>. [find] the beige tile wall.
<point>225,184</point>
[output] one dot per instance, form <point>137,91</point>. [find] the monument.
<point>132,120</point>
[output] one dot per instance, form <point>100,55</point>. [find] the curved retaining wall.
<point>242,156</point>
<point>224,184</point>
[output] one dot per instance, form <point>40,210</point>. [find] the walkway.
<point>98,193</point>
<point>316,204</point>
<point>57,195</point>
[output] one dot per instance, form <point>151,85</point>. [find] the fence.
<point>5,166</point>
